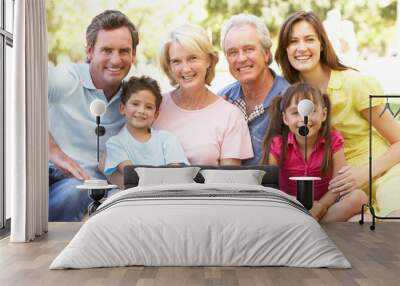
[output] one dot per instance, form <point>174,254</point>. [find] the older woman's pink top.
<point>207,135</point>
<point>294,164</point>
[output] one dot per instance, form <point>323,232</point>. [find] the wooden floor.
<point>374,255</point>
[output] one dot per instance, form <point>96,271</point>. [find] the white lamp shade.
<point>98,107</point>
<point>305,107</point>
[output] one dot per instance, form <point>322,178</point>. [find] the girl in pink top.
<point>284,147</point>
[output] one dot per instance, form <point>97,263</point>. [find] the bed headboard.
<point>270,179</point>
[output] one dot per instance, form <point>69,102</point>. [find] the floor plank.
<point>374,255</point>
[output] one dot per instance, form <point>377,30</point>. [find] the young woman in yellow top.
<point>305,54</point>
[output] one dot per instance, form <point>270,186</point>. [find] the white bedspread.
<point>138,227</point>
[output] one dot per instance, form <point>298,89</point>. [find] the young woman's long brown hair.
<point>328,57</point>
<point>278,106</point>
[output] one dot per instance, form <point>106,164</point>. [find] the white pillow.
<point>248,177</point>
<point>163,176</point>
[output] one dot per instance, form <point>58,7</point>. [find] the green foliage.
<point>371,22</point>
<point>62,30</point>
<point>67,20</point>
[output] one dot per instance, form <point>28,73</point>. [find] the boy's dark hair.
<point>136,84</point>
<point>279,104</point>
<point>110,20</point>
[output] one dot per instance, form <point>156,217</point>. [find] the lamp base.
<point>305,190</point>
<point>96,195</point>
<point>305,193</point>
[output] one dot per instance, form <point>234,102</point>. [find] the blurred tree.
<point>374,24</point>
<point>67,21</point>
<point>66,37</point>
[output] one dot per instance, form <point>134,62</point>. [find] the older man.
<point>111,50</point>
<point>246,43</point>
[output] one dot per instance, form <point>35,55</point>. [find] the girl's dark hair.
<point>279,104</point>
<point>136,84</point>
<point>328,57</point>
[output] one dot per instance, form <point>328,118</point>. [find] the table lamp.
<point>98,108</point>
<point>305,107</point>
<point>96,188</point>
<point>305,184</point>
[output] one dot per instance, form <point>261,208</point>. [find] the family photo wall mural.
<point>190,84</point>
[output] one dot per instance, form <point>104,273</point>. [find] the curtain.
<point>26,124</point>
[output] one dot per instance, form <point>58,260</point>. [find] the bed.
<point>214,219</point>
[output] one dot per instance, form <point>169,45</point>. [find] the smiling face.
<point>293,119</point>
<point>140,110</point>
<point>304,48</point>
<point>111,57</point>
<point>246,57</point>
<point>188,69</point>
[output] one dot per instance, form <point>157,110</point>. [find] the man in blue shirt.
<point>246,43</point>
<point>111,50</point>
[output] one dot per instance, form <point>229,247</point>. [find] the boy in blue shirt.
<point>137,143</point>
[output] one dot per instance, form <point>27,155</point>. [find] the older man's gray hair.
<point>240,20</point>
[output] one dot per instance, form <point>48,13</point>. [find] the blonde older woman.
<point>211,130</point>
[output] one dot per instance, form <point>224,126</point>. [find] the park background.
<point>365,33</point>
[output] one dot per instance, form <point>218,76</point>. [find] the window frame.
<point>6,39</point>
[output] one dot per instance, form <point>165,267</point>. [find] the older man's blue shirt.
<point>258,126</point>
